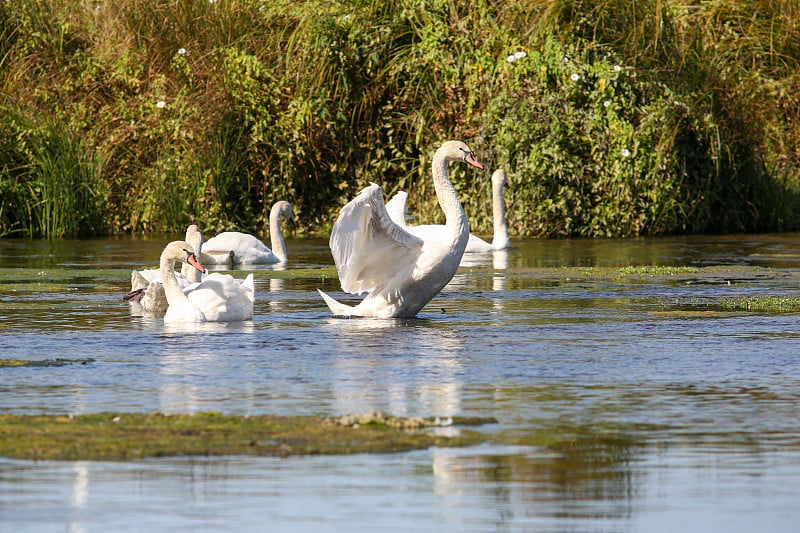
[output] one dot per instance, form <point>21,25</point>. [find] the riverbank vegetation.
<point>612,118</point>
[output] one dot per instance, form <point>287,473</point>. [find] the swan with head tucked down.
<point>396,207</point>
<point>233,247</point>
<point>399,271</point>
<point>217,298</point>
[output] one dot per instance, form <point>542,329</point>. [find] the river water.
<point>625,401</point>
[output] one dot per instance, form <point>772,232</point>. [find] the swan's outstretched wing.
<point>396,207</point>
<point>366,243</point>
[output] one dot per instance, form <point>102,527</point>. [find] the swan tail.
<point>337,308</point>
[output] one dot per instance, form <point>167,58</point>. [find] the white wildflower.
<point>160,104</point>
<point>617,68</point>
<point>626,152</point>
<point>565,59</point>
<point>607,103</point>
<point>575,77</point>
<point>520,54</point>
<point>181,51</point>
<point>511,58</point>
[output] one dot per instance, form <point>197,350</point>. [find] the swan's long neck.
<point>195,238</point>
<point>455,217</point>
<point>275,235</point>
<point>500,239</point>
<point>172,289</point>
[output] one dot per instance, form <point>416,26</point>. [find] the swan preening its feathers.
<point>399,270</point>
<point>235,248</point>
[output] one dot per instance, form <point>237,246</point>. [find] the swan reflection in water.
<point>79,497</point>
<point>464,280</point>
<point>379,360</point>
<point>276,285</point>
<point>186,369</point>
<point>500,264</point>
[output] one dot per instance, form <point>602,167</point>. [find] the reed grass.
<point>177,111</point>
<point>59,180</point>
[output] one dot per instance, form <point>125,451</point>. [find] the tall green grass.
<point>57,187</point>
<point>621,118</point>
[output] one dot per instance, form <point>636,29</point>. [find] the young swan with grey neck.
<point>400,272</point>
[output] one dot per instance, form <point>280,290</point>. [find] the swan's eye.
<point>466,152</point>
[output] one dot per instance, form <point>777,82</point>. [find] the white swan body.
<point>399,271</point>
<point>233,247</point>
<point>218,298</point>
<point>396,208</point>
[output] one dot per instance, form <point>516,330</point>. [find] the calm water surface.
<point>625,403</point>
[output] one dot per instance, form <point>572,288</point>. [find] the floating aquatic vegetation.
<point>128,436</point>
<point>777,304</point>
<point>7,363</point>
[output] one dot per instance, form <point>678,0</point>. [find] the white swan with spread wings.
<point>399,271</point>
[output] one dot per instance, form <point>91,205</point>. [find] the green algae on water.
<point>656,270</point>
<point>132,436</point>
<point>775,304</point>
<point>13,363</point>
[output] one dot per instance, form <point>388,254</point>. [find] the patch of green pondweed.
<point>13,363</point>
<point>656,270</point>
<point>617,273</point>
<point>324,272</point>
<point>777,304</point>
<point>128,436</point>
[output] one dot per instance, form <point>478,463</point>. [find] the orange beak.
<point>192,260</point>
<point>470,159</point>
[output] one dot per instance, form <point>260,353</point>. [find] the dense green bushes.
<point>612,117</point>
